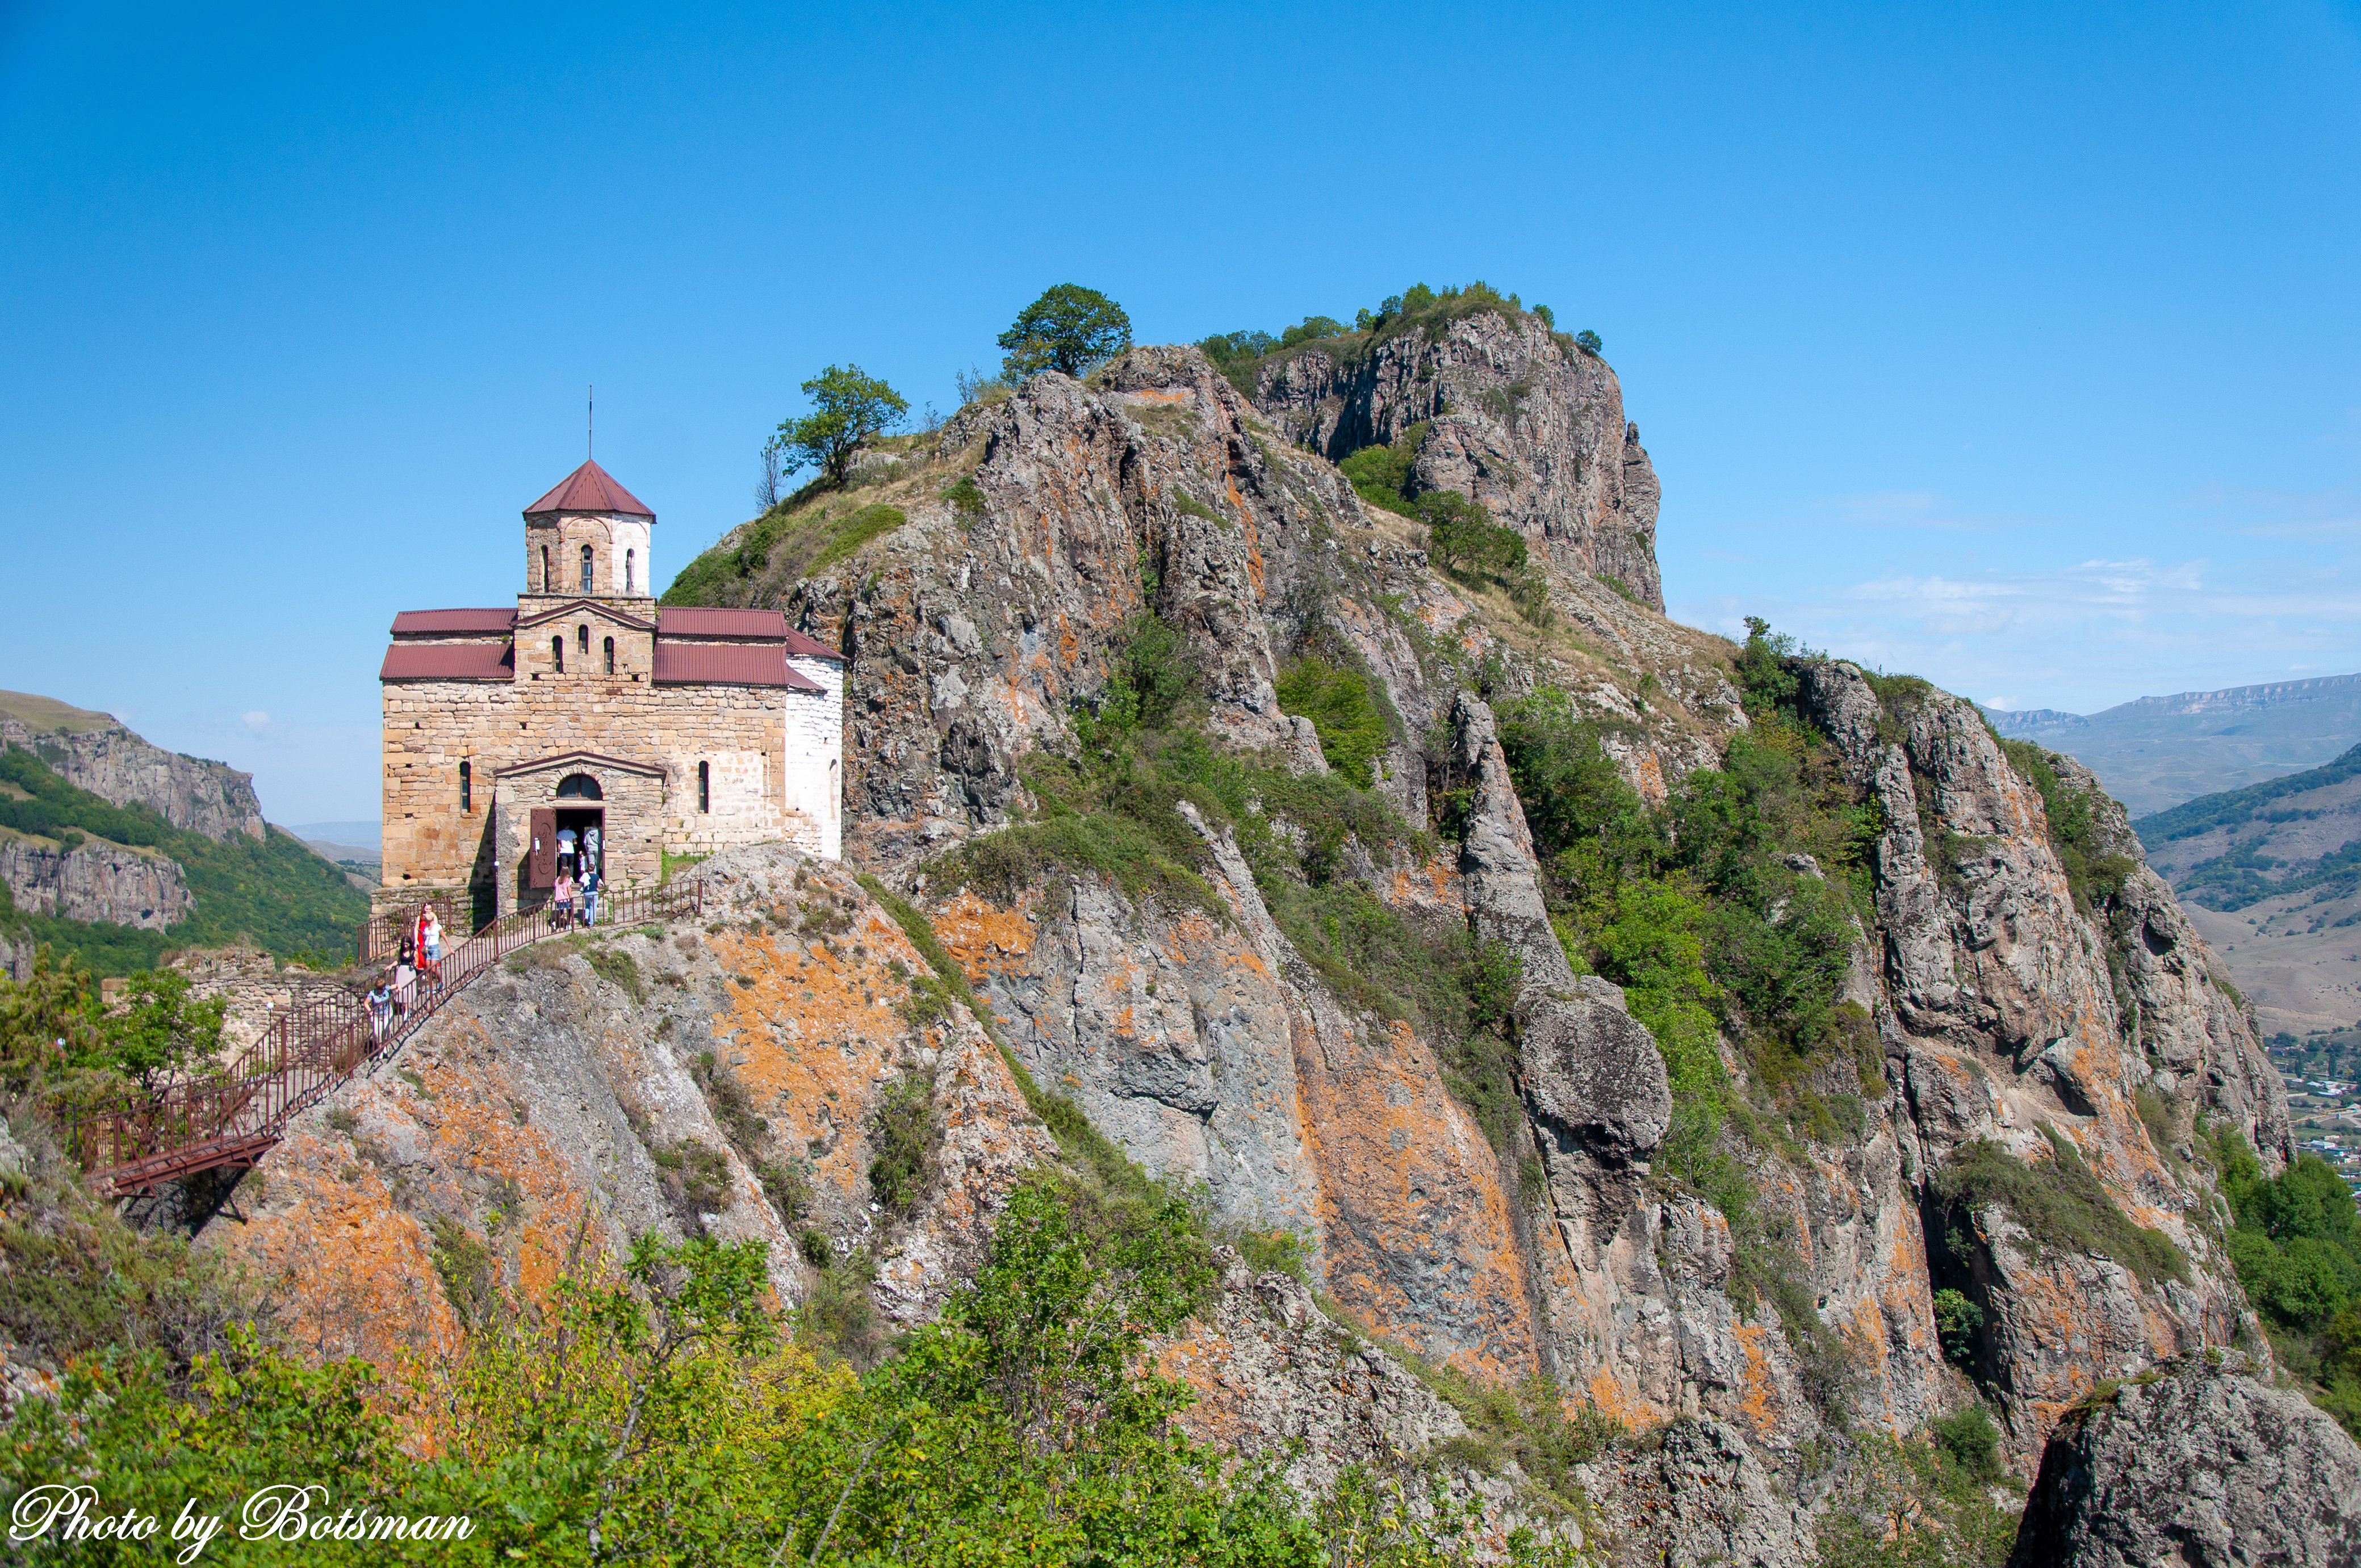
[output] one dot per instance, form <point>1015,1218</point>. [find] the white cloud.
<point>2080,636</point>
<point>256,721</point>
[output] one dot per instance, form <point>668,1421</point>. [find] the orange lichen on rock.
<point>981,937</point>
<point>1759,1401</point>
<point>1418,1237</point>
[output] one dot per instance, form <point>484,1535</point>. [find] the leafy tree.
<point>848,408</point>
<point>1462,535</point>
<point>53,1028</point>
<point>1069,329</point>
<point>1590,343</point>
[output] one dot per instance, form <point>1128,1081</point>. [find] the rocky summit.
<point>1699,1102</point>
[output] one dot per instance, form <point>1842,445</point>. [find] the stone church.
<point>588,720</point>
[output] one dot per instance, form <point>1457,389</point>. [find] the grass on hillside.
<point>277,894</point>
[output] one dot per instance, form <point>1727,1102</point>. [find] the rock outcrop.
<point>1554,1227</point>
<point>94,880</point>
<point>2204,1465</point>
<point>1516,418</point>
<point>718,1080</point>
<point>110,761</point>
<point>2002,1021</point>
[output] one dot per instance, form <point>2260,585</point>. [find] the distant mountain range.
<point>2157,751</point>
<point>2271,874</point>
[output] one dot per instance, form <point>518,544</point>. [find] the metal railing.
<point>380,937</point>
<point>139,1141</point>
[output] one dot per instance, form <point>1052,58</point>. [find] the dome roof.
<point>589,489</point>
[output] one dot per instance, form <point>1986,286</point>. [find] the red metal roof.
<point>803,647</point>
<point>590,488</point>
<point>450,622</point>
<point>737,625</point>
<point>740,626</point>
<point>728,665</point>
<point>448,662</point>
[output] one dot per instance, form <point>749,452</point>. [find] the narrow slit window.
<point>558,653</point>
<point>610,655</point>
<point>466,787</point>
<point>586,568</point>
<point>704,786</point>
<point>631,570</point>
<point>545,585</point>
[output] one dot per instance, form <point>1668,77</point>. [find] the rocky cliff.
<point>94,880</point>
<point>2200,1463</point>
<point>1329,960</point>
<point>1513,415</point>
<point>99,754</point>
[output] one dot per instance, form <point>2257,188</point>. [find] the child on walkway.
<point>561,901</point>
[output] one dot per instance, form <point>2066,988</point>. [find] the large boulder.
<point>2204,1465</point>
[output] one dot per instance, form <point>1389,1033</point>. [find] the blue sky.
<point>2015,347</point>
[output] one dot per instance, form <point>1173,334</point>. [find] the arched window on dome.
<point>586,582</point>
<point>547,583</point>
<point>630,569</point>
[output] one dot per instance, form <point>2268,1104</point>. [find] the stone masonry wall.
<point>741,732</point>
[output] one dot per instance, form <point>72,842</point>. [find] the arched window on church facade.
<point>704,786</point>
<point>582,639</point>
<point>586,587</point>
<point>466,787</point>
<point>630,569</point>
<point>610,655</point>
<point>558,653</point>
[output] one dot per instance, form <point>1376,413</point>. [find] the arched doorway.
<point>581,825</point>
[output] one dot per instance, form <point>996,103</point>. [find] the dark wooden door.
<point>541,863</point>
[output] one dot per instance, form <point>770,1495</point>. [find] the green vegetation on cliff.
<point>2296,1245</point>
<point>1241,356</point>
<point>277,894</point>
<point>654,1406</point>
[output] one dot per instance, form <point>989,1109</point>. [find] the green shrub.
<point>857,530</point>
<point>618,968</point>
<point>1336,697</point>
<point>694,1180</point>
<point>1958,1321</point>
<point>464,1264</point>
<point>1590,343</point>
<point>903,1141</point>
<point>966,497</point>
<point>2061,1204</point>
<point>1380,475</point>
<point>732,1104</point>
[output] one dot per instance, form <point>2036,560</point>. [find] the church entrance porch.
<point>574,809</point>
